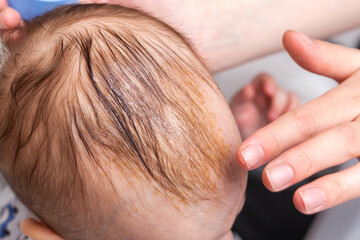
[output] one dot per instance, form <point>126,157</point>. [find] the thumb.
<point>37,230</point>
<point>321,57</point>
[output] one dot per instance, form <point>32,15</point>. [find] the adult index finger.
<point>301,123</point>
<point>321,57</point>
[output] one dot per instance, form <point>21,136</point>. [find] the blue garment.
<point>29,9</point>
<point>11,214</point>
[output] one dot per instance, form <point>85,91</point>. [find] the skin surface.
<point>139,208</point>
<point>203,220</point>
<point>226,34</point>
<point>146,213</point>
<point>320,134</point>
<point>222,49</point>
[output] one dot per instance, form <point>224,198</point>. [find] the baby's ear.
<point>38,230</point>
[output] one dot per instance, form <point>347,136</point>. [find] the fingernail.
<point>252,155</point>
<point>313,199</point>
<point>305,38</point>
<point>279,175</point>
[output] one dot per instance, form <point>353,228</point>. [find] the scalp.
<point>90,85</point>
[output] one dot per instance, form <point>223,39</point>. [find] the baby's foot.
<point>259,103</point>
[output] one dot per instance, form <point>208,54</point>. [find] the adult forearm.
<point>232,32</point>
<point>227,33</point>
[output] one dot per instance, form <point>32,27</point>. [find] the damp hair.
<point>85,85</point>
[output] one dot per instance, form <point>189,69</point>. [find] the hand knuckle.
<point>340,190</point>
<point>306,122</point>
<point>307,161</point>
<point>354,101</point>
<point>275,144</point>
<point>350,141</point>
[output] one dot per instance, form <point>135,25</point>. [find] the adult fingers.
<point>37,230</point>
<point>301,124</point>
<point>9,18</point>
<point>328,191</point>
<point>327,149</point>
<point>321,57</point>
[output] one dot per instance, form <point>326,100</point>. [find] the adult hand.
<point>322,133</point>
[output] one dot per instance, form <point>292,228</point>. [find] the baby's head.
<point>111,128</point>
